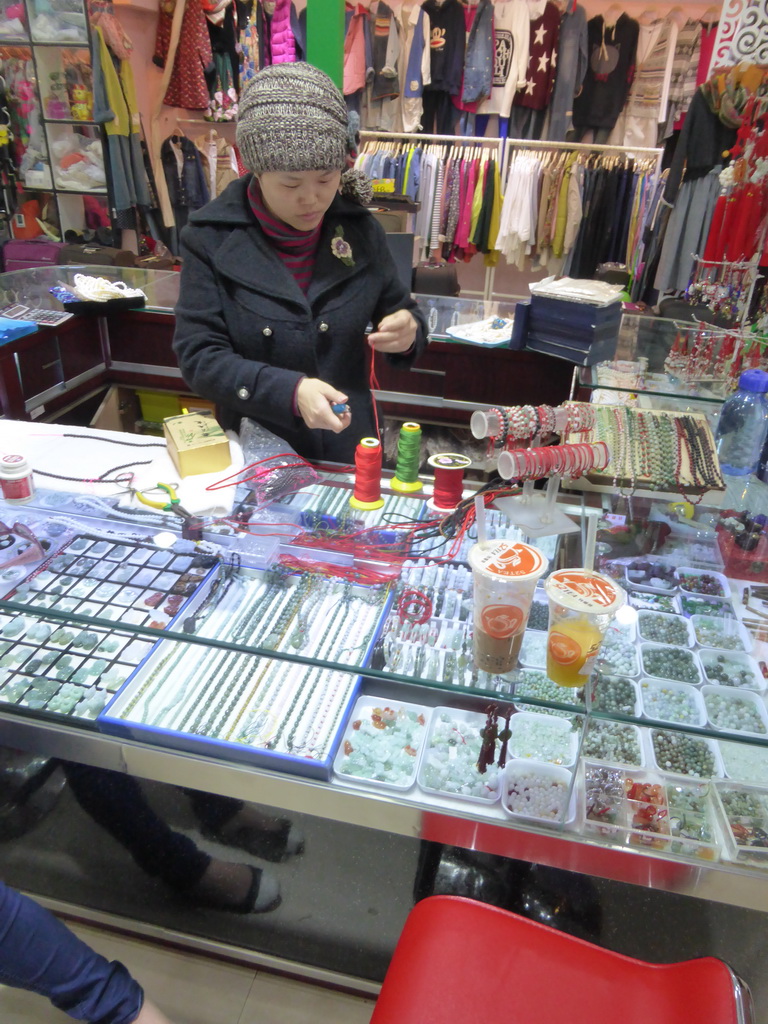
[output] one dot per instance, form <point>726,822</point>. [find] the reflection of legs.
<point>243,825</point>
<point>116,803</point>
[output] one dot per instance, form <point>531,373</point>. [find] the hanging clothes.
<point>282,41</point>
<point>544,33</point>
<point>415,69</point>
<point>637,125</point>
<point>511,31</point>
<point>357,50</point>
<point>571,58</point>
<point>612,55</point>
<point>685,69</point>
<point>447,42</point>
<point>187,87</point>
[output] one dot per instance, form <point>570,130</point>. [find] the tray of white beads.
<point>382,743</point>
<point>533,650</point>
<point>667,701</point>
<point>449,762</point>
<point>538,792</point>
<point>543,738</point>
<point>735,710</point>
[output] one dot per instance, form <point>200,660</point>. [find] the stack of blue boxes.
<point>582,333</point>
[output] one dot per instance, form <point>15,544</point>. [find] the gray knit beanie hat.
<point>292,117</point>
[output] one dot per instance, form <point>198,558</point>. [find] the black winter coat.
<point>246,333</point>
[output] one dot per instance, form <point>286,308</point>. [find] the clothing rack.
<point>474,140</point>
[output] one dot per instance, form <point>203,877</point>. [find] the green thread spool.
<point>406,478</point>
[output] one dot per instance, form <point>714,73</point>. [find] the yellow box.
<point>196,443</point>
<point>156,405</point>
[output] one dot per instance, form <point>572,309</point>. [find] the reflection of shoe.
<point>268,844</point>
<point>262,896</point>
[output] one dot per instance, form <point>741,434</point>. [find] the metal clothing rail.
<point>474,140</point>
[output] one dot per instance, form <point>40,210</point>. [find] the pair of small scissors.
<point>171,505</point>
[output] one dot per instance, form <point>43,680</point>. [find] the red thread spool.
<point>449,480</point>
<point>367,492</point>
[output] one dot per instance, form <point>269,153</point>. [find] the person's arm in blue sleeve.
<point>40,954</point>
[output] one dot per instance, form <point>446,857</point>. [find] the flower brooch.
<point>341,248</point>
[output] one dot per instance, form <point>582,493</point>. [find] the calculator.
<point>44,317</point>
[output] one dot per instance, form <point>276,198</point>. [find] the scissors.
<point>191,527</point>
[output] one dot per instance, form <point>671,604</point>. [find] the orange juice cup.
<point>581,606</point>
<point>504,577</point>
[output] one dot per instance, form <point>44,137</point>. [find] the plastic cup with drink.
<point>504,577</point>
<point>581,606</point>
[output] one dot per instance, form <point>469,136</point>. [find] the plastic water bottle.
<point>743,425</point>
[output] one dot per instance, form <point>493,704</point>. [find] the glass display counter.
<point>320,659</point>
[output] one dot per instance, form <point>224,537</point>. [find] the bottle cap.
<point>754,380</point>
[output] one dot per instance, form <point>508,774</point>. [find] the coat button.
<point>243,393</point>
<point>322,326</point>
<point>267,332</point>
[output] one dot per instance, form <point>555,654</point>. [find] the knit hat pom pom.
<point>357,185</point>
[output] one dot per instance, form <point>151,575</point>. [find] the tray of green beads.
<point>681,754</point>
<point>745,762</point>
<point>695,604</point>
<point>661,628</point>
<point>449,762</point>
<point>646,601</point>
<point>670,663</point>
<point>732,669</point>
<point>614,742</point>
<point>692,820</point>
<point>531,682</point>
<point>735,710</point>
<point>744,815</point>
<point>724,634</point>
<point>667,701</point>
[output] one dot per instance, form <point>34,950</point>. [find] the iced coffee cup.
<point>581,606</point>
<point>504,577</point>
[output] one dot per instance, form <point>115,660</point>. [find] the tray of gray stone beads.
<point>660,628</point>
<point>614,742</point>
<point>732,669</point>
<point>670,663</point>
<point>609,692</point>
<point>732,710</point>
<point>695,756</point>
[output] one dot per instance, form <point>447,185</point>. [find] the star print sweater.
<point>542,57</point>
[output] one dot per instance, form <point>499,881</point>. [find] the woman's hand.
<point>314,398</point>
<point>395,333</point>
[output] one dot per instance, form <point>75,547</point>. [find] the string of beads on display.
<point>522,422</point>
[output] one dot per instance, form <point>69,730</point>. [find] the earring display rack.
<point>261,709</point>
<point>654,454</point>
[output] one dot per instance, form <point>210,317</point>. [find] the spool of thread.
<point>367,491</point>
<point>448,468</point>
<point>406,478</point>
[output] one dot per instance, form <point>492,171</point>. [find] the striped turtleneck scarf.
<point>295,248</point>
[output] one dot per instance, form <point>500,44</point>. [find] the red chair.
<point>470,963</point>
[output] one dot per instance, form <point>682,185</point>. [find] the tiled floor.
<point>197,990</point>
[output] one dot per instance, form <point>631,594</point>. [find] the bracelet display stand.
<point>536,512</point>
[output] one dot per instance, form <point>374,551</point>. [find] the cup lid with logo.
<point>581,590</point>
<point>501,560</point>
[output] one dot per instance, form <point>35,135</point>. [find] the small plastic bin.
<point>677,663</point>
<point>671,630</point>
<point>743,814</point>
<point>640,572</point>
<point>451,753</point>
<point>406,725</point>
<point>614,693</point>
<point>732,668</point>
<point>613,743</point>
<point>549,788</point>
<point>706,582</point>
<point>673,752</point>
<point>644,600</point>
<point>745,762</point>
<point>543,738</point>
<point>748,703</point>
<point>723,634</point>
<point>670,702</point>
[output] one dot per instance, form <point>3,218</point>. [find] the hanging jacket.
<point>282,43</point>
<point>478,60</point>
<point>446,20</point>
<point>386,53</point>
<point>188,187</point>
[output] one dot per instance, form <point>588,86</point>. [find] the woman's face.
<point>299,198</point>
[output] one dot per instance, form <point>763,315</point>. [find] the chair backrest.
<point>463,961</point>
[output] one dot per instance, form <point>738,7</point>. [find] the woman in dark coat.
<point>285,270</point>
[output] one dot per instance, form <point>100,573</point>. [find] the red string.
<point>350,573</point>
<point>374,385</point>
<point>368,473</point>
<point>449,483</point>
<point>236,478</point>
